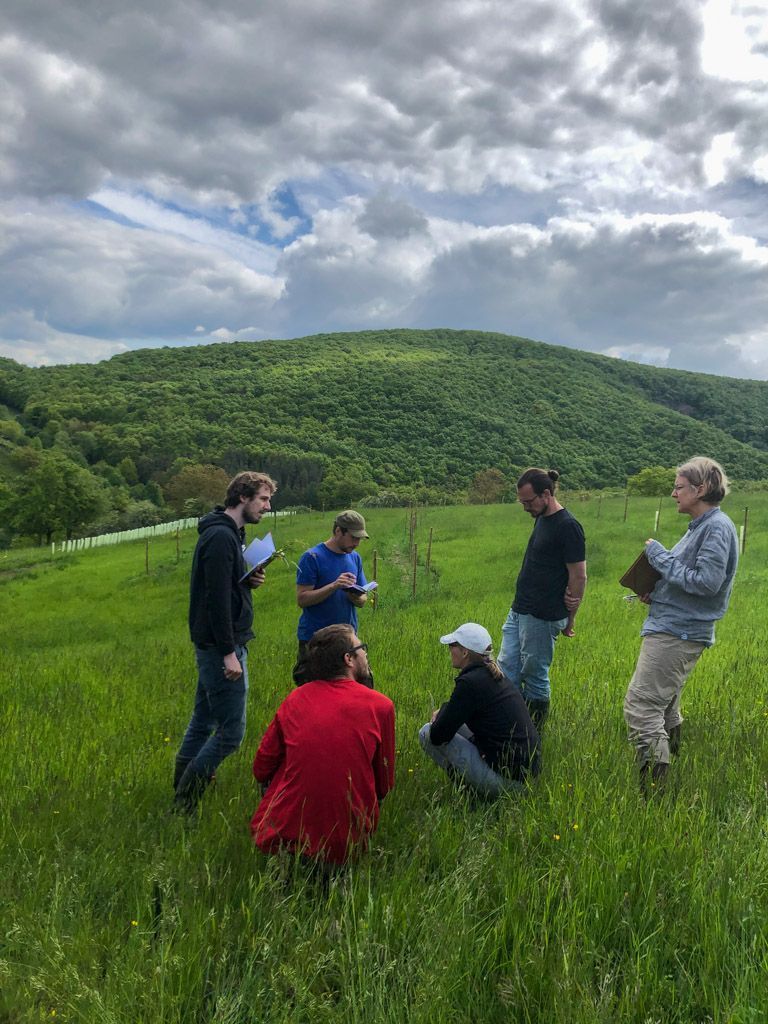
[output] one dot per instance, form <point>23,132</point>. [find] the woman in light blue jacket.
<point>692,594</point>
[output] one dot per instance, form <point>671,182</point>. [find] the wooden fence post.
<point>415,562</point>
<point>429,552</point>
<point>744,535</point>
<point>146,555</point>
<point>626,505</point>
<point>657,518</point>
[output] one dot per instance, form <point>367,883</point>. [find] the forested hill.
<point>388,410</point>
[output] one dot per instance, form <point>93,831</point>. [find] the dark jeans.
<point>217,726</point>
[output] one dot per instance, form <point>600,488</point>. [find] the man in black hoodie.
<point>220,620</point>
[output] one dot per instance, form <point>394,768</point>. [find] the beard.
<point>365,678</point>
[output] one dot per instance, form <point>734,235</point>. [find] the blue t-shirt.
<point>318,567</point>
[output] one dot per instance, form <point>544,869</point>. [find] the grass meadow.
<point>574,905</point>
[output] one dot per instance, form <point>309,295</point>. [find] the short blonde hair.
<point>701,470</point>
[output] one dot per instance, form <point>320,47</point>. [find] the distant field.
<point>576,905</point>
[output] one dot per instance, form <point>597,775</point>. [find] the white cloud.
<point>159,218</point>
<point>735,41</point>
<point>31,341</point>
<point>443,95</point>
<point>86,277</point>
<point>669,289</point>
<point>591,173</point>
<point>654,355</point>
<point>716,161</point>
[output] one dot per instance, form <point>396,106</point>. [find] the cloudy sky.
<point>591,173</point>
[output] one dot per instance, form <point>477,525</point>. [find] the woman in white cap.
<point>483,735</point>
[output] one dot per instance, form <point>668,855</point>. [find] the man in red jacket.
<point>328,756</point>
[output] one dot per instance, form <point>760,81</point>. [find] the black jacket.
<point>494,710</point>
<point>220,606</point>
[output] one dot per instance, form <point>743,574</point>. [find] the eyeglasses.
<point>525,502</point>
<point>359,647</point>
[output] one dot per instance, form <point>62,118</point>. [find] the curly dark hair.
<point>247,485</point>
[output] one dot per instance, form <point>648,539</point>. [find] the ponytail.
<point>488,661</point>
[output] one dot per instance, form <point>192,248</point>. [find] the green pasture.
<point>577,904</point>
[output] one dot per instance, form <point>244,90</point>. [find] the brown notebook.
<point>640,576</point>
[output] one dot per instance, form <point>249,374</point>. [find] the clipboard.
<point>259,554</point>
<point>640,577</point>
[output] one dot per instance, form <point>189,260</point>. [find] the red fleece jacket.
<point>329,758</point>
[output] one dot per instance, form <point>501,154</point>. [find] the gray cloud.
<point>385,217</point>
<point>539,168</point>
<point>229,99</point>
<point>681,291</point>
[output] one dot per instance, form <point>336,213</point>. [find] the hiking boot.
<point>179,768</point>
<point>539,711</point>
<point>653,779</point>
<point>675,737</point>
<point>189,791</point>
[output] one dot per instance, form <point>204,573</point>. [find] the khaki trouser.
<point>652,703</point>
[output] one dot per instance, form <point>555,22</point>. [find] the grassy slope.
<point>579,904</point>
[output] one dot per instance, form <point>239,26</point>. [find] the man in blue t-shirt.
<point>325,575</point>
<point>548,593</point>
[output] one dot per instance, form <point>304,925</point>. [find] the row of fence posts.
<point>413,550</point>
<point>146,551</point>
<point>742,527</point>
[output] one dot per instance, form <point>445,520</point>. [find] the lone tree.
<point>487,487</point>
<point>652,482</point>
<point>196,489</point>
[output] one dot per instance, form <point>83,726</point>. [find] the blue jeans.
<point>464,759</point>
<point>217,726</point>
<point>527,649</point>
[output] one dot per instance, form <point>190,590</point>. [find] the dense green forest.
<point>383,417</point>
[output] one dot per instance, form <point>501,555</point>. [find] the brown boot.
<point>675,736</point>
<point>653,779</point>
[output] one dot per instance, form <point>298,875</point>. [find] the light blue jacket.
<point>696,579</point>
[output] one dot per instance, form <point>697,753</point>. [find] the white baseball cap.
<point>472,636</point>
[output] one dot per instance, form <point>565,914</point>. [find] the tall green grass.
<point>577,904</point>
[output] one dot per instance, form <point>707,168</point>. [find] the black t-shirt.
<point>556,541</point>
<point>496,713</point>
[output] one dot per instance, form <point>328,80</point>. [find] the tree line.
<point>389,417</point>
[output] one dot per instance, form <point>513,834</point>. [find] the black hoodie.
<point>220,606</point>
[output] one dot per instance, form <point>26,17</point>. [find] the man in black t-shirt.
<point>549,590</point>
